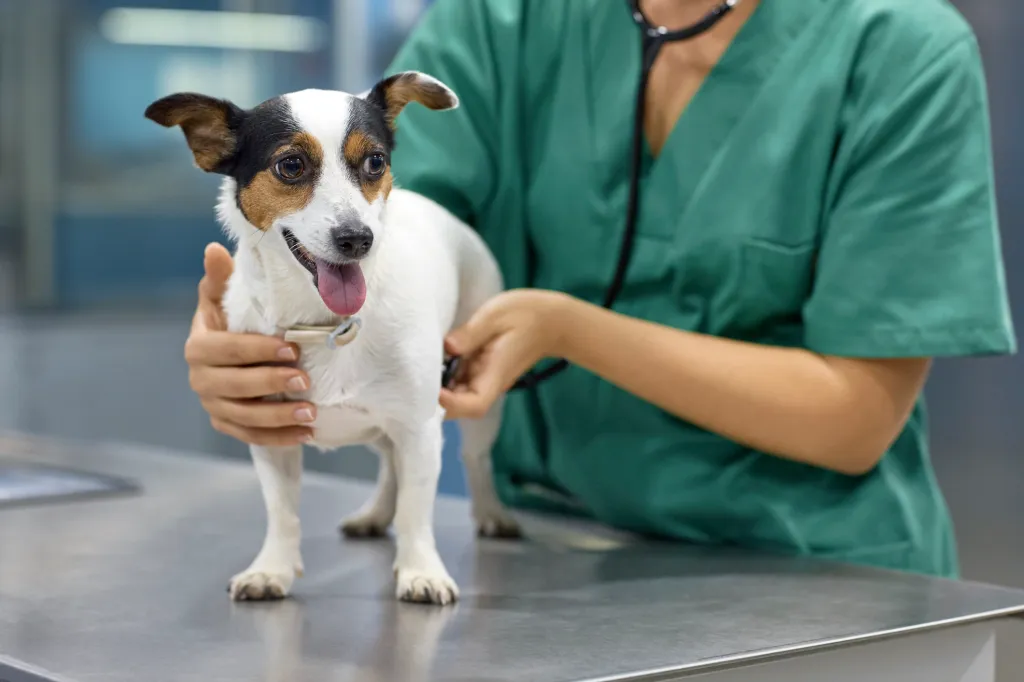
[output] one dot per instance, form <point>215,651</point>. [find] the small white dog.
<point>368,279</point>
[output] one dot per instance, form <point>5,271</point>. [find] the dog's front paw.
<point>425,587</point>
<point>262,584</point>
<point>496,524</point>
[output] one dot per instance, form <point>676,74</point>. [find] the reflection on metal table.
<point>131,588</point>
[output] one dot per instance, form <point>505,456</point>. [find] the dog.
<point>367,278</point>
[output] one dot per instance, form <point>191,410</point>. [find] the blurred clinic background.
<point>103,220</point>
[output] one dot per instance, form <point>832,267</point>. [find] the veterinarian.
<point>815,222</point>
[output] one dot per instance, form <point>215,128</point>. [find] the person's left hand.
<point>506,337</point>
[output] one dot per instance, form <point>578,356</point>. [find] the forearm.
<point>830,412</point>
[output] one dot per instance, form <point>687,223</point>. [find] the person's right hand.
<point>232,373</point>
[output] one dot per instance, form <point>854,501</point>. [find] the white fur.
<point>426,273</point>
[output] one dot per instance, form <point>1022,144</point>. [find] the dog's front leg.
<point>419,571</point>
<point>272,572</point>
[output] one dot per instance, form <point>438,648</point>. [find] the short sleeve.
<point>450,157</point>
<point>910,261</point>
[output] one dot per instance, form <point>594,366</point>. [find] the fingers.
<point>260,414</point>
<point>222,369</point>
<point>246,382</point>
<point>269,437</point>
<point>461,404</point>
<point>218,267</point>
<point>208,318</point>
<point>474,400</point>
<point>465,404</point>
<point>226,349</point>
<point>231,396</point>
<point>471,336</point>
<point>463,341</point>
<point>218,264</point>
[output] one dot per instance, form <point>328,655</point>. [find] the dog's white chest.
<point>346,424</point>
<point>345,393</point>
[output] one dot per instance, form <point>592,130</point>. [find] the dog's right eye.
<point>374,165</point>
<point>290,168</point>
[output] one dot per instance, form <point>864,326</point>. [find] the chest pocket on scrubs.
<point>775,281</point>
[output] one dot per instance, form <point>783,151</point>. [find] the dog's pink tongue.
<point>342,287</point>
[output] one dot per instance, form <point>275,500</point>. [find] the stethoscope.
<point>653,38</point>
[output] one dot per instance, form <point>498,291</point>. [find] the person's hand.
<point>505,338</point>
<point>232,373</point>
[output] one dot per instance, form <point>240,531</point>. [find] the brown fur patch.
<point>382,185</point>
<point>204,120</point>
<point>358,145</point>
<point>267,198</point>
<point>311,146</point>
<point>403,88</point>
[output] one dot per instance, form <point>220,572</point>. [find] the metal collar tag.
<point>334,337</point>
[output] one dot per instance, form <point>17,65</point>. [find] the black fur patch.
<point>263,129</point>
<point>377,97</point>
<point>368,118</point>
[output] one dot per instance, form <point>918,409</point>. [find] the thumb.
<point>470,337</point>
<point>219,265</point>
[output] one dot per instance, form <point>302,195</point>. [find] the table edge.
<point>745,659</point>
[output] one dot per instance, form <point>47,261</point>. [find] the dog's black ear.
<point>394,92</point>
<point>210,126</point>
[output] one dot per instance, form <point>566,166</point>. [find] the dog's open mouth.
<point>341,285</point>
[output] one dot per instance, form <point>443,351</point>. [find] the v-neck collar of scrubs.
<point>702,131</point>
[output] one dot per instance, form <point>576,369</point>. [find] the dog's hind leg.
<point>419,572</point>
<point>478,436</point>
<point>272,572</point>
<point>374,517</point>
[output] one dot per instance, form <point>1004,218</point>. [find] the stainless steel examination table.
<point>130,587</point>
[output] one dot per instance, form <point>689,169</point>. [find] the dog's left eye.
<point>290,168</point>
<point>374,165</point>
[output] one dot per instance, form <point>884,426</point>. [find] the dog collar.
<point>333,337</point>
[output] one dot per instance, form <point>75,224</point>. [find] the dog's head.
<point>314,165</point>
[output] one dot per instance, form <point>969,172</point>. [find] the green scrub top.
<point>829,187</point>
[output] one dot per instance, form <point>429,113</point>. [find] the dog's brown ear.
<point>394,92</point>
<point>210,126</point>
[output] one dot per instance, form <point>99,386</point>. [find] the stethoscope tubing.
<point>653,38</point>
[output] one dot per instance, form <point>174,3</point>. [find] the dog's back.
<point>434,238</point>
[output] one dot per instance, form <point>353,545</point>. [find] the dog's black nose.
<point>353,240</point>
